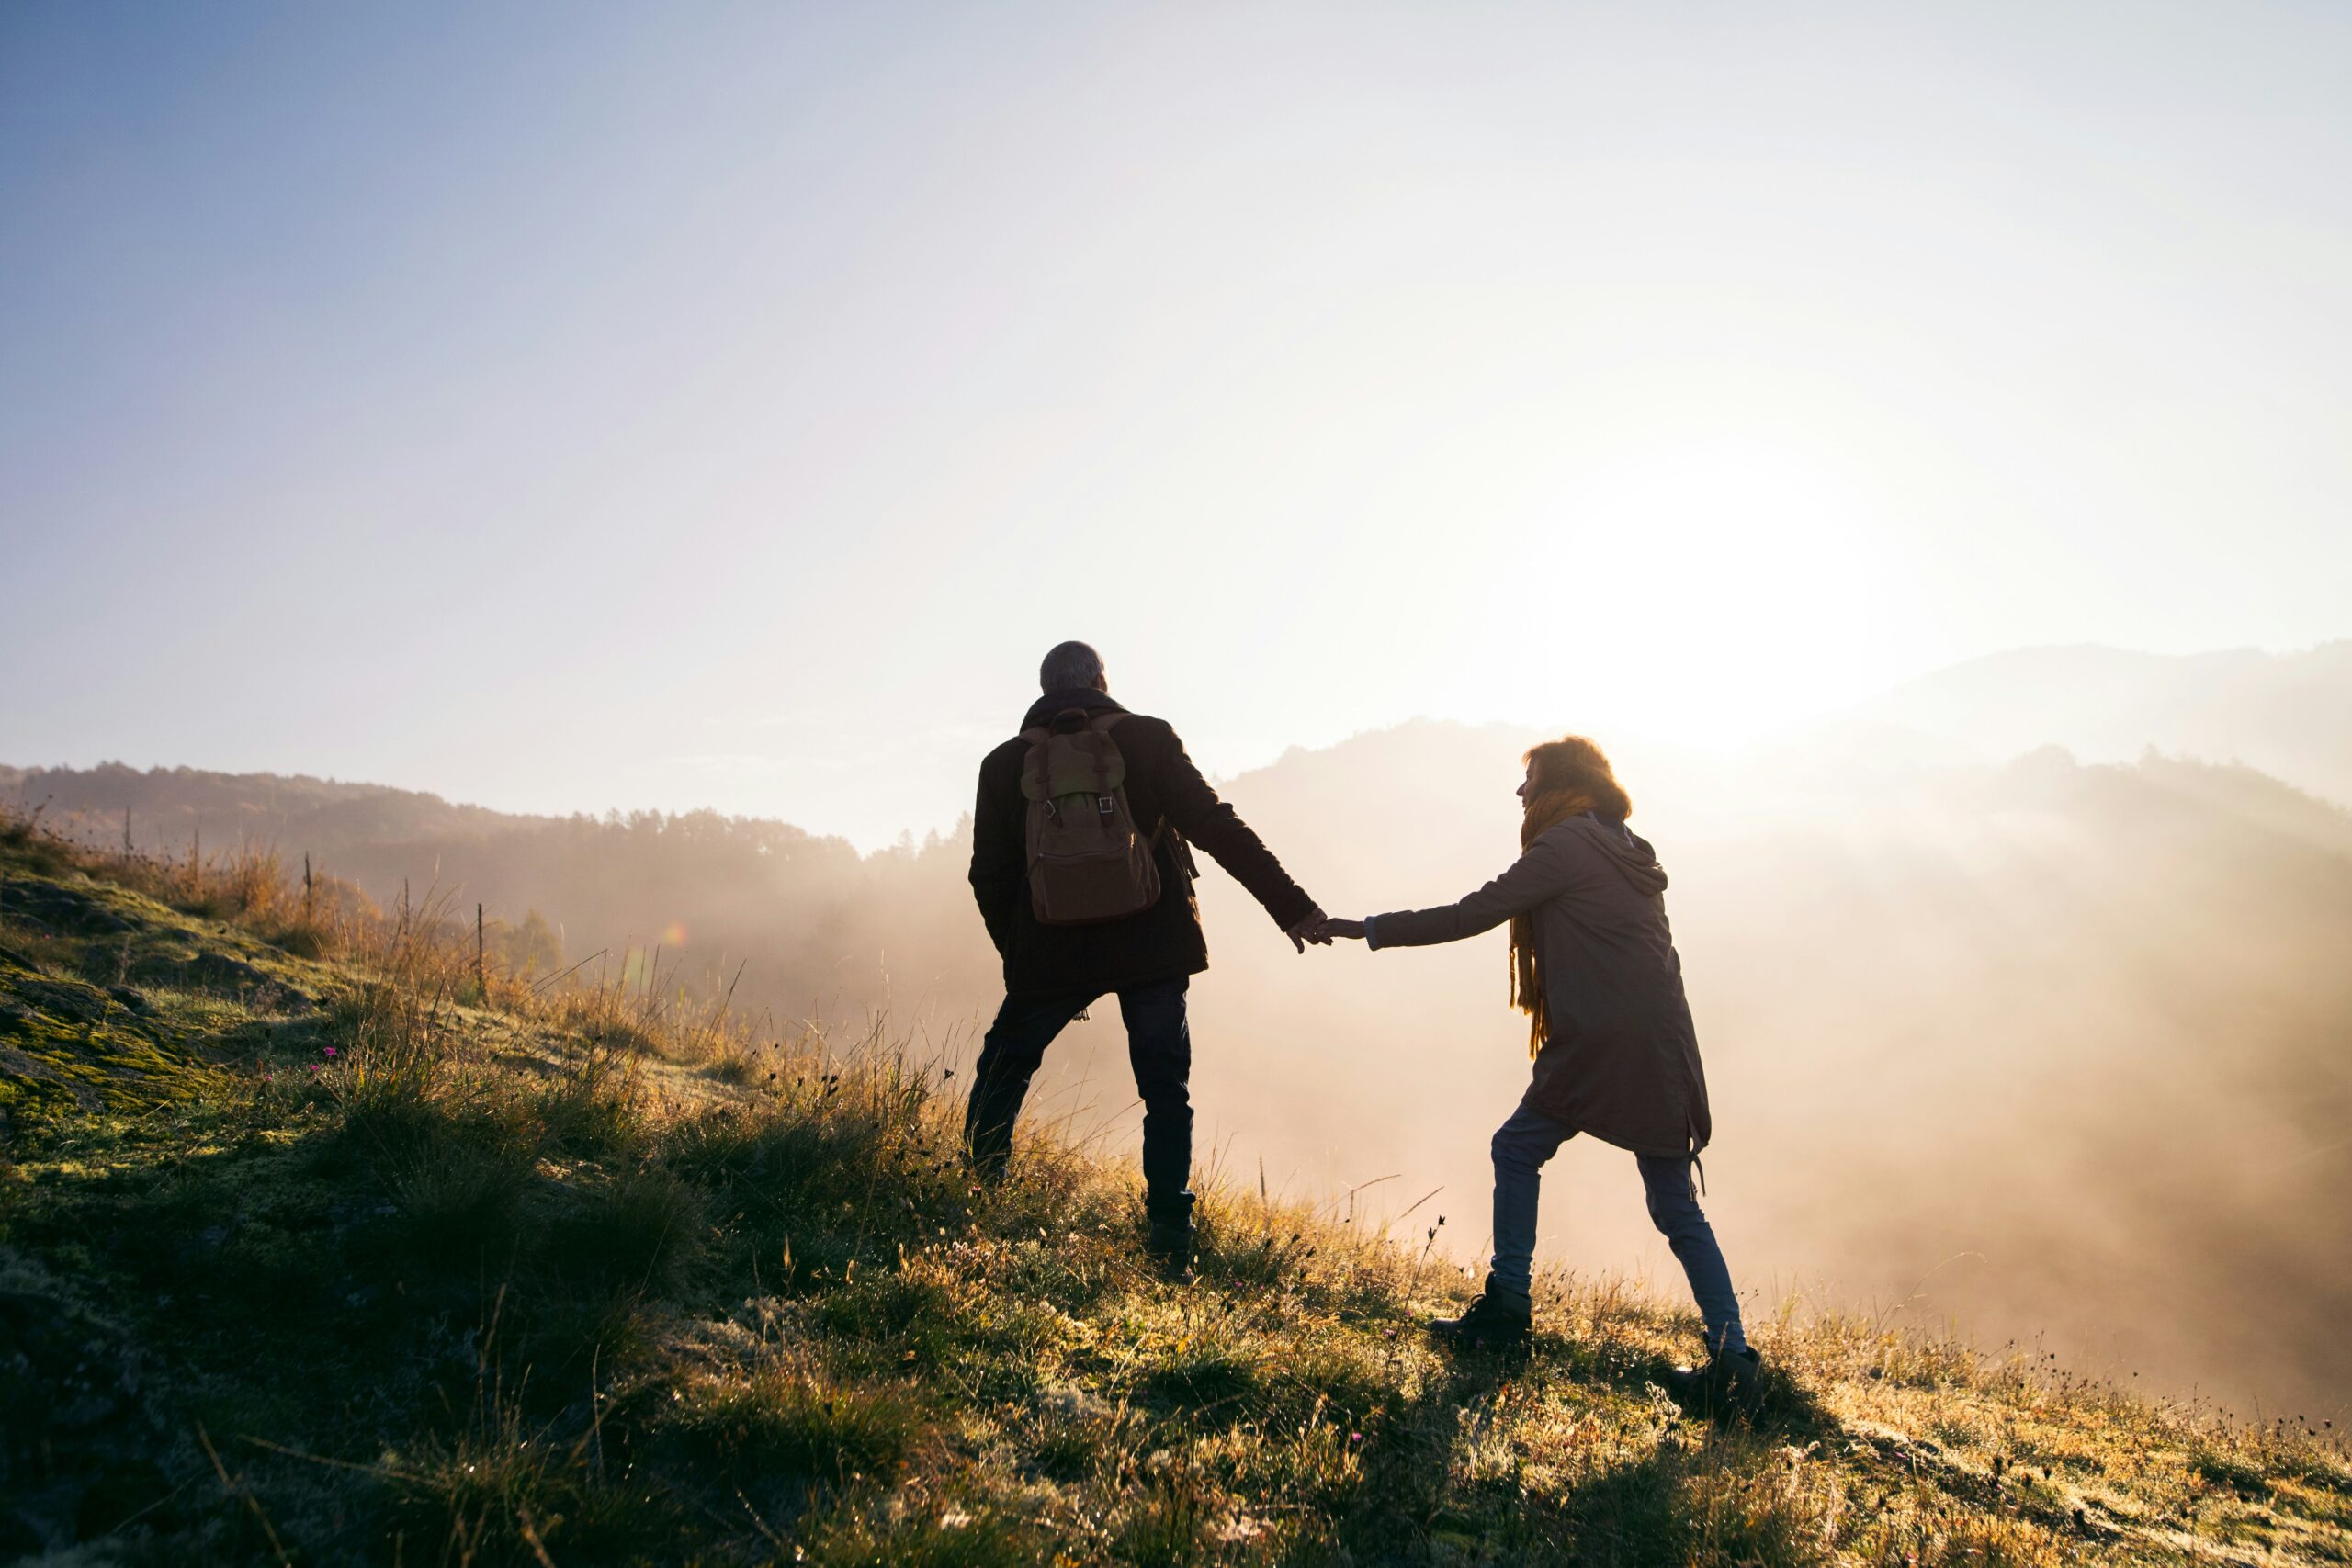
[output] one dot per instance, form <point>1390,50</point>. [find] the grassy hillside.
<point>318,1247</point>
<point>834,931</point>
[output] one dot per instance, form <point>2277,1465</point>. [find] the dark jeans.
<point>1522,1144</point>
<point>1159,1048</point>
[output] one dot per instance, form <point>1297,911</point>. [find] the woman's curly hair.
<point>1574,766</point>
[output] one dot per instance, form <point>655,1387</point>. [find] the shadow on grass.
<point>1657,1501</point>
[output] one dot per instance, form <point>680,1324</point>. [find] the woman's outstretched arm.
<point>1543,872</point>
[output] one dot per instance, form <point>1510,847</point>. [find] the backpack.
<point>1087,862</point>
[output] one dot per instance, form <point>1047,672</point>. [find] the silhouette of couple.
<point>1082,870</point>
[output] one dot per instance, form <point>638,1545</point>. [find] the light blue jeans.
<point>1522,1144</point>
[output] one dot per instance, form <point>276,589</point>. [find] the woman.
<point>1592,964</point>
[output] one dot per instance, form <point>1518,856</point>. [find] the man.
<point>1053,971</point>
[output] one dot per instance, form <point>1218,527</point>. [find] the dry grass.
<point>584,1274</point>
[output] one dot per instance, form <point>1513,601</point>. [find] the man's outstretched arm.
<point>1212,823</point>
<point>997,870</point>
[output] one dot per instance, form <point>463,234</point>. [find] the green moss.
<point>53,1067</point>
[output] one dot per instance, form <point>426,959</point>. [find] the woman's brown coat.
<point>1622,1062</point>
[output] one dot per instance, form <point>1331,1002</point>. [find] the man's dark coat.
<point>1164,940</point>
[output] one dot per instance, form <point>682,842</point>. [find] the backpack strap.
<point>1035,736</point>
<point>1103,724</point>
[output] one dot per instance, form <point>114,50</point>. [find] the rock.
<point>18,1538</point>
<point>82,1408</point>
<point>80,1446</point>
<point>1070,1401</point>
<point>130,997</point>
<point>69,1001</point>
<point>64,910</point>
<point>218,973</point>
<point>122,1491</point>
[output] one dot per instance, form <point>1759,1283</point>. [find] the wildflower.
<point>329,1049</point>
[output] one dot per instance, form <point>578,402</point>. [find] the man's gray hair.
<point>1071,666</point>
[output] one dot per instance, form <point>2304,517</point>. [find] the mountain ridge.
<point>2149,706</point>
<point>2289,714</point>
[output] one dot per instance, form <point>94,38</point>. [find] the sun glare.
<point>1734,582</point>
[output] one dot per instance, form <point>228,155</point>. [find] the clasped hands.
<point>1321,929</point>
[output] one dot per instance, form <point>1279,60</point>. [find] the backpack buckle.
<point>1104,805</point>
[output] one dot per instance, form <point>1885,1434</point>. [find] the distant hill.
<point>816,927</point>
<point>167,809</point>
<point>2288,715</point>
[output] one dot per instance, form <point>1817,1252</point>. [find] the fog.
<point>2036,1050</point>
<point>2027,1048</point>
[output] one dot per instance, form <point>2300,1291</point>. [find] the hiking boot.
<point>1169,1247</point>
<point>1499,1319</point>
<point>1725,1381</point>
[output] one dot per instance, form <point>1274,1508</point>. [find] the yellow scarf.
<point>1546,810</point>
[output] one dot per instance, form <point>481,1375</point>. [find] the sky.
<point>566,407</point>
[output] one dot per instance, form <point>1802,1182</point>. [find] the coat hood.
<point>1053,703</point>
<point>1626,850</point>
